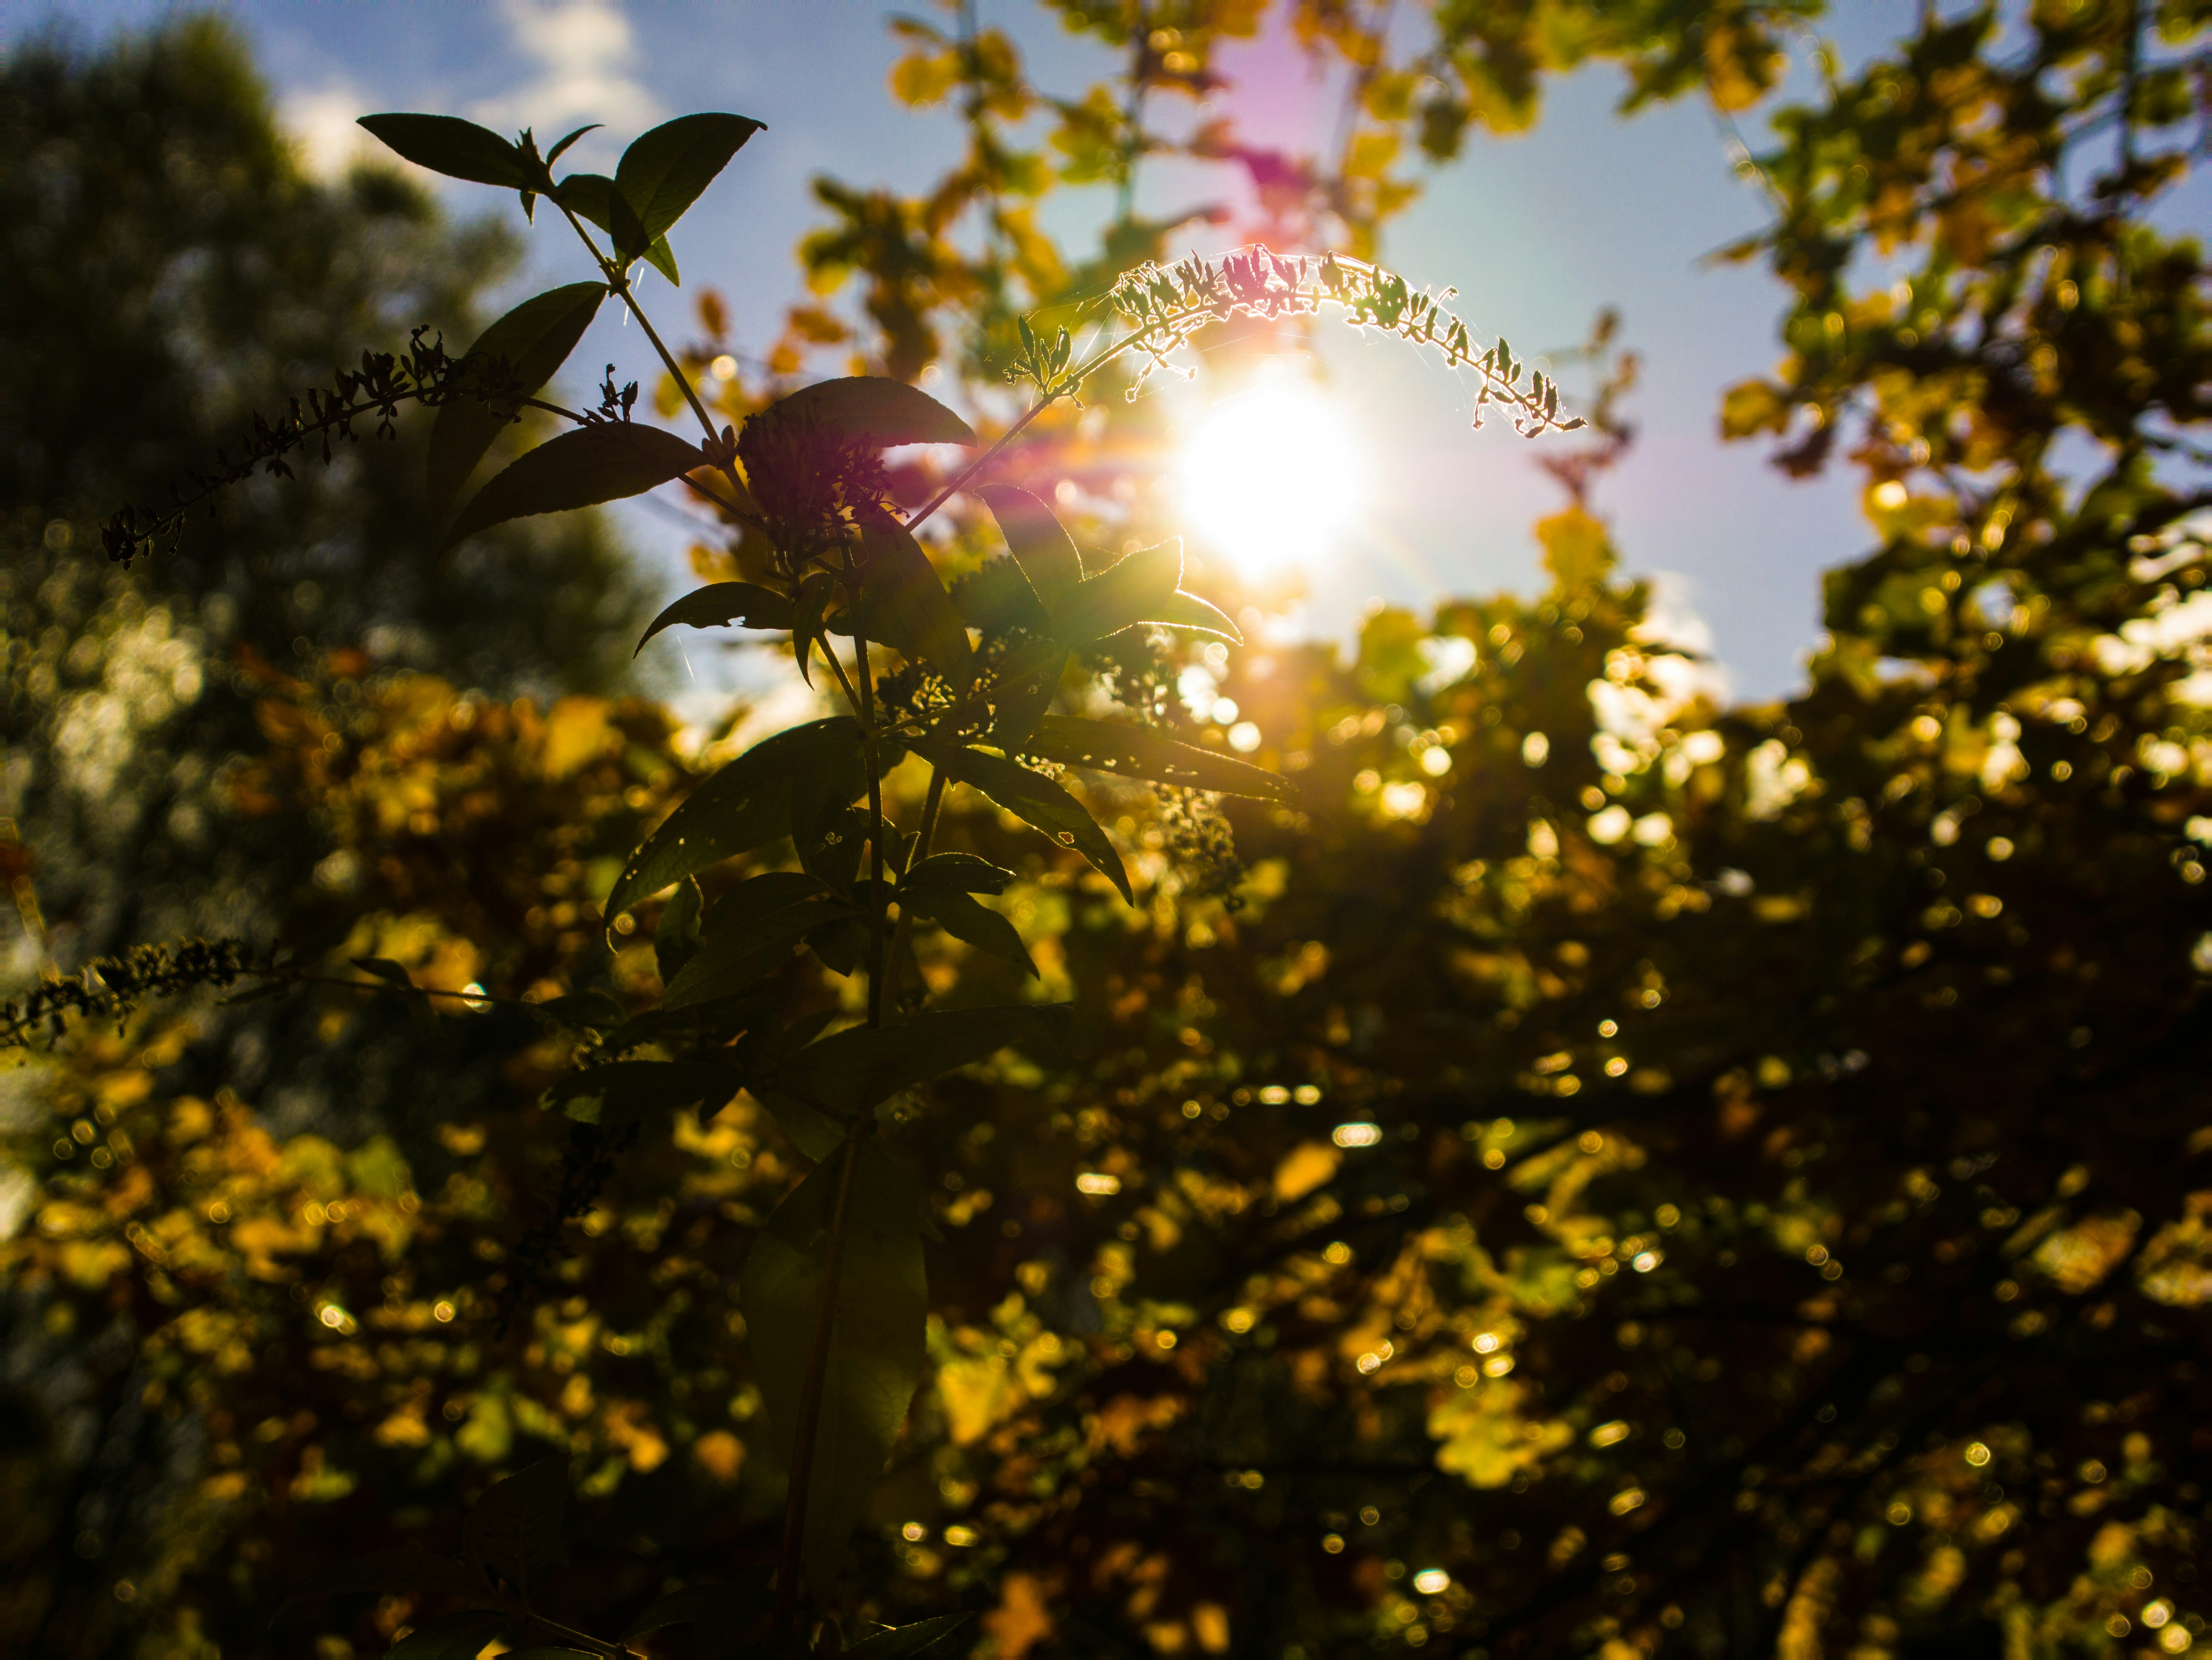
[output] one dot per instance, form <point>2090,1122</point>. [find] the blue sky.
<point>1538,233</point>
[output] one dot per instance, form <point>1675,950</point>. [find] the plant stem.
<point>818,1372</point>
<point>875,795</point>
<point>894,969</point>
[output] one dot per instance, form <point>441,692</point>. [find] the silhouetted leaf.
<point>533,340</point>
<point>562,148</point>
<point>459,1636</point>
<point>851,1071</point>
<point>604,462</point>
<point>966,919</point>
<point>1148,752</point>
<point>879,410</point>
<point>663,171</point>
<point>742,951</point>
<point>721,603</point>
<point>623,1091</point>
<point>1023,701</point>
<point>724,1607</point>
<point>956,873</point>
<point>676,935</point>
<point>593,196</point>
<point>386,970</point>
<point>594,1011</point>
<point>877,1356</point>
<point>458,149</point>
<point>1039,544</point>
<point>744,806</point>
<point>1038,801</point>
<point>907,602</point>
<point>514,1529</point>
<point>901,1641</point>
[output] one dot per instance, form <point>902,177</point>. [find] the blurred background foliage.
<point>1609,1173</point>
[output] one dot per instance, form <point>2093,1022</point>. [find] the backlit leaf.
<point>1134,589</point>
<point>1034,799</point>
<point>743,952</point>
<point>595,197</point>
<point>663,171</point>
<point>744,806</point>
<point>677,936</point>
<point>1035,535</point>
<point>458,149</point>
<point>718,605</point>
<point>956,873</point>
<point>877,408</point>
<point>1187,610</point>
<point>533,340</point>
<point>1023,701</point>
<point>1148,752</point>
<point>877,1357</point>
<point>604,462</point>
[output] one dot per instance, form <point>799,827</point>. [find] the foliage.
<point>1618,1174</point>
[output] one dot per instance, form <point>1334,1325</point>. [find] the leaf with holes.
<point>956,873</point>
<point>533,340</point>
<point>877,410</point>
<point>718,605</point>
<point>1148,752</point>
<point>1035,799</point>
<point>606,461</point>
<point>458,149</point>
<point>744,806</point>
<point>877,1354</point>
<point>663,171</point>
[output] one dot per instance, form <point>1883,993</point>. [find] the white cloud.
<point>585,54</point>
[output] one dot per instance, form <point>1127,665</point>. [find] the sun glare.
<point>1272,476</point>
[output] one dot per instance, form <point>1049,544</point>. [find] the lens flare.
<point>1273,475</point>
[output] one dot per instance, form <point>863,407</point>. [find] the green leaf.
<point>1187,610</point>
<point>968,920</point>
<point>907,602</point>
<point>807,625</point>
<point>877,1354</point>
<point>852,1070</point>
<point>956,873</point>
<point>997,598</point>
<point>458,149</point>
<point>533,340</point>
<point>1038,801</point>
<point>744,806</point>
<point>1134,589</point>
<point>623,1091</point>
<point>594,1011</point>
<point>663,171</point>
<point>603,462</point>
<point>721,603</point>
<point>900,1641</point>
<point>386,970</point>
<point>561,149</point>
<point>1023,701</point>
<point>1039,545</point>
<point>394,1571</point>
<point>677,937</point>
<point>1148,752</point>
<point>514,1529</point>
<point>593,196</point>
<point>877,409</point>
<point>748,949</point>
<point>459,1636</point>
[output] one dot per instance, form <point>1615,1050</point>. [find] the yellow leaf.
<point>1575,548</point>
<point>1308,1167</point>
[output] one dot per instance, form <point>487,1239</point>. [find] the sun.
<point>1273,475</point>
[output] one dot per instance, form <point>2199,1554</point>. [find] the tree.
<point>1628,1177</point>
